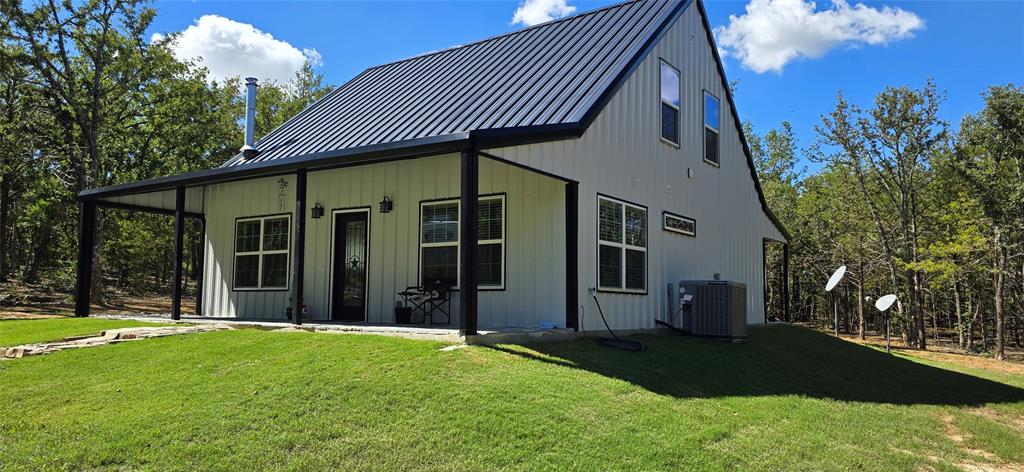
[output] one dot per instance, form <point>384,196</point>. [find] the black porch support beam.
<point>200,256</point>
<point>785,282</point>
<point>144,209</point>
<point>572,253</point>
<point>86,241</point>
<point>179,251</point>
<point>468,239</point>
<point>298,267</point>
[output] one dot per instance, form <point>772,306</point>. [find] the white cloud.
<point>229,48</point>
<point>774,32</point>
<point>532,12</point>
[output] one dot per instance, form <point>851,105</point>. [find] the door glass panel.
<point>355,263</point>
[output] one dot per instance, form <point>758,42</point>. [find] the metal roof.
<point>537,84</point>
<point>550,75</point>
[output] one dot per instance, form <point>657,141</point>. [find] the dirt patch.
<point>992,462</point>
<point>18,301</point>
<point>1014,363</point>
<point>1011,421</point>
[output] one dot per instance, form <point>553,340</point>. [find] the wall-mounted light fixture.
<point>386,205</point>
<point>317,211</point>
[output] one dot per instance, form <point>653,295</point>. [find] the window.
<point>439,241</point>
<point>669,103</point>
<point>680,224</point>
<point>621,246</point>
<point>261,252</point>
<point>711,128</point>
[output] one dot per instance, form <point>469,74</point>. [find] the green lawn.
<point>790,399</point>
<point>17,332</point>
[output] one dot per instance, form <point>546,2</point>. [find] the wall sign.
<point>679,224</point>
<point>282,184</point>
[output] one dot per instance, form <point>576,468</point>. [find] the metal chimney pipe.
<point>248,150</point>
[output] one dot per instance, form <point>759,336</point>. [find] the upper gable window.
<point>711,118</point>
<point>669,103</point>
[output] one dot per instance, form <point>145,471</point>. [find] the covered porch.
<point>398,209</point>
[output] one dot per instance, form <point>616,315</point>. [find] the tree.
<point>20,121</point>
<point>990,157</point>
<point>775,158</point>
<point>94,65</point>
<point>889,147</point>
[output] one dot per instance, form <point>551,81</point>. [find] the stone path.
<point>109,336</point>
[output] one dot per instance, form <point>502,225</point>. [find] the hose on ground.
<point>615,341</point>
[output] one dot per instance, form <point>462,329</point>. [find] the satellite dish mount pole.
<point>830,288</point>
<point>835,313</point>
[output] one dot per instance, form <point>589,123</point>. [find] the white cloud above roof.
<point>772,33</point>
<point>532,12</point>
<point>230,48</point>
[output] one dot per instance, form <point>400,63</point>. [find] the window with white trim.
<point>439,241</point>
<point>261,252</point>
<point>621,246</point>
<point>669,85</point>
<point>711,116</point>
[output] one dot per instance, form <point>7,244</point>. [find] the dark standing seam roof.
<point>549,74</point>
<point>537,84</point>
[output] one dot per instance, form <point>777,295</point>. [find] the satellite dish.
<point>836,277</point>
<point>885,302</point>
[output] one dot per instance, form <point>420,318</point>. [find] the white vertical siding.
<point>535,239</point>
<point>622,156</point>
<point>225,203</point>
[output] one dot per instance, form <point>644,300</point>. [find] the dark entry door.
<point>350,253</point>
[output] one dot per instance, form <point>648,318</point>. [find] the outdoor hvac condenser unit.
<point>715,308</point>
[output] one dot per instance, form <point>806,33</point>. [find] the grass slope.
<point>790,399</point>
<point>18,332</point>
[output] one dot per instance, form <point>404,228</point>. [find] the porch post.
<point>179,252</point>
<point>572,268</point>
<point>200,256</point>
<point>86,240</point>
<point>785,282</point>
<point>298,267</point>
<point>467,247</point>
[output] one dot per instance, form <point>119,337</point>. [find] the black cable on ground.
<point>669,326</point>
<point>615,341</point>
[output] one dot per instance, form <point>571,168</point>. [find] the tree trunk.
<point>970,323</point>
<point>959,313</point>
<point>5,205</point>
<point>999,269</point>
<point>861,323</point>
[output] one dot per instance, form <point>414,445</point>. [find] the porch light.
<point>386,205</point>
<point>317,211</point>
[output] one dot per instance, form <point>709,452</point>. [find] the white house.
<point>600,150</point>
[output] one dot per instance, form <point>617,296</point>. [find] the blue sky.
<point>964,46</point>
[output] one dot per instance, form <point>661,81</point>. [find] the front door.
<point>350,252</point>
